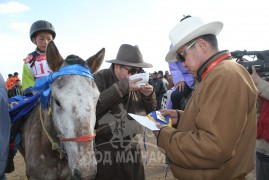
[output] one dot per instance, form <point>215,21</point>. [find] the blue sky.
<point>83,27</point>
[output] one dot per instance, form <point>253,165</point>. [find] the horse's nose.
<point>77,175</point>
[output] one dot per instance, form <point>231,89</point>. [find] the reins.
<point>54,145</point>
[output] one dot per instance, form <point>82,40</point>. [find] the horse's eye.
<point>57,102</point>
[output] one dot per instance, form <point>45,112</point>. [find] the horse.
<point>57,137</point>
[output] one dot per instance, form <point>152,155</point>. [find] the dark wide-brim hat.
<point>130,56</point>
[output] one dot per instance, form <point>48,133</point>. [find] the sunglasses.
<point>180,56</point>
<point>133,70</point>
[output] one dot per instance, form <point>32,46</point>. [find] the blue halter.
<point>43,84</point>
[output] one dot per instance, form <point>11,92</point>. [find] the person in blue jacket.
<point>4,127</point>
<point>183,85</point>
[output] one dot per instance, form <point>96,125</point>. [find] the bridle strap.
<point>54,145</point>
<point>79,139</point>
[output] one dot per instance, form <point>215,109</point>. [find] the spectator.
<point>9,82</point>
<point>262,142</point>
<point>169,79</point>
<point>159,89</point>
<point>14,78</point>
<point>16,90</point>
<point>161,77</point>
<point>117,133</point>
<point>216,133</point>
<point>184,84</point>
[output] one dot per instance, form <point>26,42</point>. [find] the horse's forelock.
<point>73,59</point>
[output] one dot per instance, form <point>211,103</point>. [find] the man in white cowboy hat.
<point>118,150</point>
<point>214,138</point>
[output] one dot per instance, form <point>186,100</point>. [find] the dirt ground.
<point>155,169</point>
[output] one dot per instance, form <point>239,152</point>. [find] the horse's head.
<point>73,102</point>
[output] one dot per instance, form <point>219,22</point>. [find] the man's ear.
<point>116,66</point>
<point>202,44</point>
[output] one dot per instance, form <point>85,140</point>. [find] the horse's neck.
<point>33,134</point>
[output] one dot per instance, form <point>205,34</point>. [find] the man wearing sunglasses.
<point>214,138</point>
<point>117,142</point>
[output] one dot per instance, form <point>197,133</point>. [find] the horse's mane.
<point>73,59</point>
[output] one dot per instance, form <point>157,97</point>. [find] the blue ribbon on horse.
<point>43,84</point>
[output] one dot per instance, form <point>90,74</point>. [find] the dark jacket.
<point>159,87</point>
<point>15,91</point>
<point>116,131</point>
<point>115,102</point>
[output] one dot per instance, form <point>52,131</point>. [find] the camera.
<point>259,59</point>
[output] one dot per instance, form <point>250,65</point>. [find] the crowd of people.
<point>210,99</point>
<point>172,90</point>
<point>13,85</point>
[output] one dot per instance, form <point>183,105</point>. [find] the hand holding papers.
<point>152,119</point>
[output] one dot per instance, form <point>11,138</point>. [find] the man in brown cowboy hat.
<point>117,144</point>
<point>216,133</point>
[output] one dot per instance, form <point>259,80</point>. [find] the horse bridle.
<point>60,147</point>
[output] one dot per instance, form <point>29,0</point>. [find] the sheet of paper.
<point>143,120</point>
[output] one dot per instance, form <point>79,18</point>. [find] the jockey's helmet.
<point>41,26</point>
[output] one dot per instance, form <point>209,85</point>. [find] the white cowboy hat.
<point>187,30</point>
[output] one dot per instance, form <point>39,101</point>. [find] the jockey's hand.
<point>147,90</point>
<point>256,78</point>
<point>180,85</point>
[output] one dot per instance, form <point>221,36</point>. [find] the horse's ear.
<point>96,60</point>
<point>54,58</point>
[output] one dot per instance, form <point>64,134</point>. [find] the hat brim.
<point>210,28</point>
<point>142,65</point>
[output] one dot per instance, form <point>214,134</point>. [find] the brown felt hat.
<point>130,56</point>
